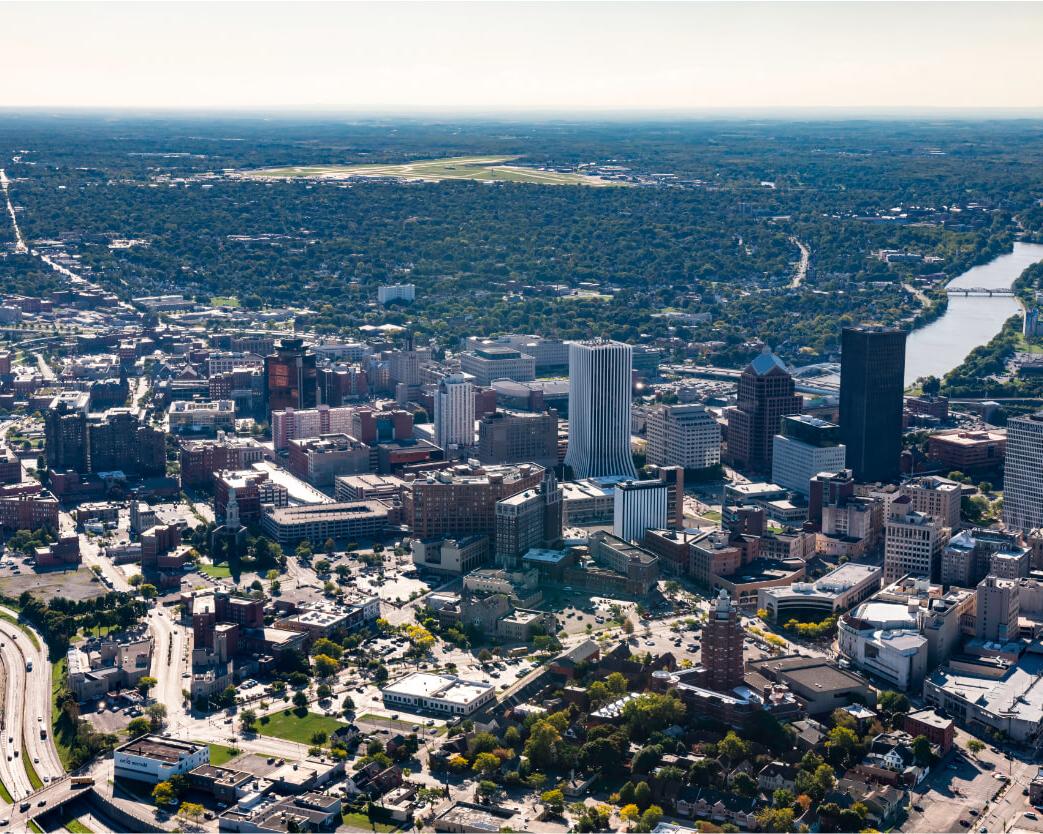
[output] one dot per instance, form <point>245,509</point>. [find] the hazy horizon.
<point>580,59</point>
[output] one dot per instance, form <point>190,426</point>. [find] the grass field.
<point>224,301</point>
<point>221,571</point>
<point>62,730</point>
<point>219,754</point>
<point>360,822</point>
<point>481,168</point>
<point>293,727</point>
<point>76,827</point>
<point>5,794</point>
<point>30,771</point>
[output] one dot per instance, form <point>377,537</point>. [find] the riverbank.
<point>971,378</point>
<point>967,323</point>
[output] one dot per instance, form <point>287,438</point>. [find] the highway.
<point>20,246</point>
<point>27,700</point>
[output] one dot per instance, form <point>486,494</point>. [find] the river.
<point>942,345</point>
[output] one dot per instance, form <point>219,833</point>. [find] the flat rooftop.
<point>442,687</point>
<point>162,748</point>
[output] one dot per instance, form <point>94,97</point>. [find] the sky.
<point>499,57</point>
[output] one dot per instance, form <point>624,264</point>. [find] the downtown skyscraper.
<point>454,412</point>
<point>1023,473</point>
<point>872,382</point>
<point>600,373</point>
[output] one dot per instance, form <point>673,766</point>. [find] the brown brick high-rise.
<point>766,395</point>
<point>722,646</point>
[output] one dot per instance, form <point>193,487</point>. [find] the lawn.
<point>361,822</point>
<point>28,632</point>
<point>224,301</point>
<point>221,571</point>
<point>384,721</point>
<point>219,754</point>
<point>62,729</point>
<point>481,168</point>
<point>5,794</point>
<point>30,771</point>
<point>293,727</point>
<point>77,827</point>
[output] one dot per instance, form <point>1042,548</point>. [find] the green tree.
<point>138,727</point>
<point>300,700</point>
<point>642,795</point>
<point>744,784</point>
<point>247,719</point>
<point>486,764</point>
<point>163,793</point>
<point>191,810</point>
<point>554,800</point>
<point>651,817</point>
<point>732,748</point>
<point>921,748</point>
<point>541,748</point>
<point>325,666</point>
<point>975,746</point>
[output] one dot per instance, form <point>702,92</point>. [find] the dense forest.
<point>711,228</point>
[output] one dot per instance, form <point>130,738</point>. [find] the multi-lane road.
<point>26,711</point>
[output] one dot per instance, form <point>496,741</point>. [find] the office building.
<point>462,500</point>
<point>548,353</point>
<point>154,759</point>
<point>804,447</point>
<point>683,435</point>
<point>998,608</point>
<point>342,383</point>
<point>218,415</point>
<point>1033,325</point>
<point>766,395</point>
<point>972,554</point>
<point>118,441</point>
<point>376,427</point>
<point>320,460</point>
<point>454,412</point>
<point>439,693</point>
<point>451,556</point>
<point>834,593</point>
<point>65,432</point>
<point>977,452</point>
<point>488,363</point>
<point>872,381</point>
<point>913,542</point>
<point>519,437</point>
<point>936,496</point>
<point>1023,473</point>
<point>599,409</point>
<point>291,424</point>
<point>637,507</point>
<point>527,520</point>
<point>290,377</point>
<point>635,570</point>
<point>29,512</point>
<point>200,459</point>
<point>355,521</point>
<point>722,645</point>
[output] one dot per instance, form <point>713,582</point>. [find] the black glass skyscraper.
<point>872,374</point>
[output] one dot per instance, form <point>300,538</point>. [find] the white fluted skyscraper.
<point>454,412</point>
<point>599,409</point>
